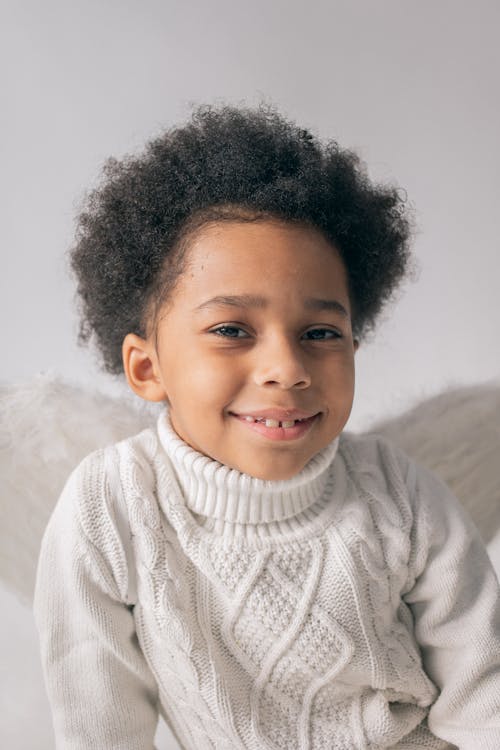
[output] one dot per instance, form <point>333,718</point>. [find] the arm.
<point>101,690</point>
<point>455,600</point>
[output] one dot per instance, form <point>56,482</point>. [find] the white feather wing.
<point>456,435</point>
<point>47,426</point>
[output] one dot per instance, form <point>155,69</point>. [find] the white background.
<point>413,87</point>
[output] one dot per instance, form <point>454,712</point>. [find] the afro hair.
<point>227,163</point>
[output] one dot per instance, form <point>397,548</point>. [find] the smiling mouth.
<point>275,422</point>
<point>275,429</point>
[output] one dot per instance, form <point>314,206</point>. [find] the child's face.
<point>257,326</point>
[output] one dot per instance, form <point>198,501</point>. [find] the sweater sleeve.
<point>101,690</point>
<point>455,600</point>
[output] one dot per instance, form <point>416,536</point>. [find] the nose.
<point>281,363</point>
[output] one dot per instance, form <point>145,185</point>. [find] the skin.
<point>220,360</point>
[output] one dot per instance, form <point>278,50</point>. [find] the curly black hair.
<point>227,163</point>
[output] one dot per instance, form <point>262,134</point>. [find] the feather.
<point>47,426</point>
<point>456,435</point>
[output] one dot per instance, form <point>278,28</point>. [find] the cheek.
<point>348,380</point>
<point>210,380</point>
<point>338,385</point>
<point>339,373</point>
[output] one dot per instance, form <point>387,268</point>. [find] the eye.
<point>321,334</point>
<point>232,332</point>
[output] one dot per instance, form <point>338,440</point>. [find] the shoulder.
<point>91,479</point>
<point>373,455</point>
<point>383,460</point>
<point>393,484</point>
<point>88,500</point>
<point>379,466</point>
<point>87,518</point>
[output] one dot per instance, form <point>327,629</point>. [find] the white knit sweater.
<point>350,607</point>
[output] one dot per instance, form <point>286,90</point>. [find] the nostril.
<point>283,374</point>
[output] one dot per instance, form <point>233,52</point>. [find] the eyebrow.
<point>253,300</point>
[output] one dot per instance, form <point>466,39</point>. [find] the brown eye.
<point>322,334</point>
<point>233,332</point>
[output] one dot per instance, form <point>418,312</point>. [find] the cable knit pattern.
<point>350,607</point>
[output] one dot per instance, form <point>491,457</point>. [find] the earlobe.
<point>355,344</point>
<point>140,364</point>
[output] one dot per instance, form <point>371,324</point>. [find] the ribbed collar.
<point>216,491</point>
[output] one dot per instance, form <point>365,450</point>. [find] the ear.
<point>142,371</point>
<point>355,344</point>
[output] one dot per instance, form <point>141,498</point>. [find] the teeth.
<point>273,422</point>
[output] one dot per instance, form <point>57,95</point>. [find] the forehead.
<point>247,257</point>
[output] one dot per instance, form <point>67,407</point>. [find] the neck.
<point>222,494</point>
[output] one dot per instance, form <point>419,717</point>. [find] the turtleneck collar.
<point>219,492</point>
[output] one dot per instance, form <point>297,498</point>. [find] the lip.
<point>279,414</point>
<point>278,434</point>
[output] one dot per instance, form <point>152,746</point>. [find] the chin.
<point>274,473</point>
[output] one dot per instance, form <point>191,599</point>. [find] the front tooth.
<point>288,424</point>
<point>249,419</point>
<point>272,423</point>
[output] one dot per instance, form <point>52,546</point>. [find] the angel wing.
<point>456,435</point>
<point>47,426</point>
